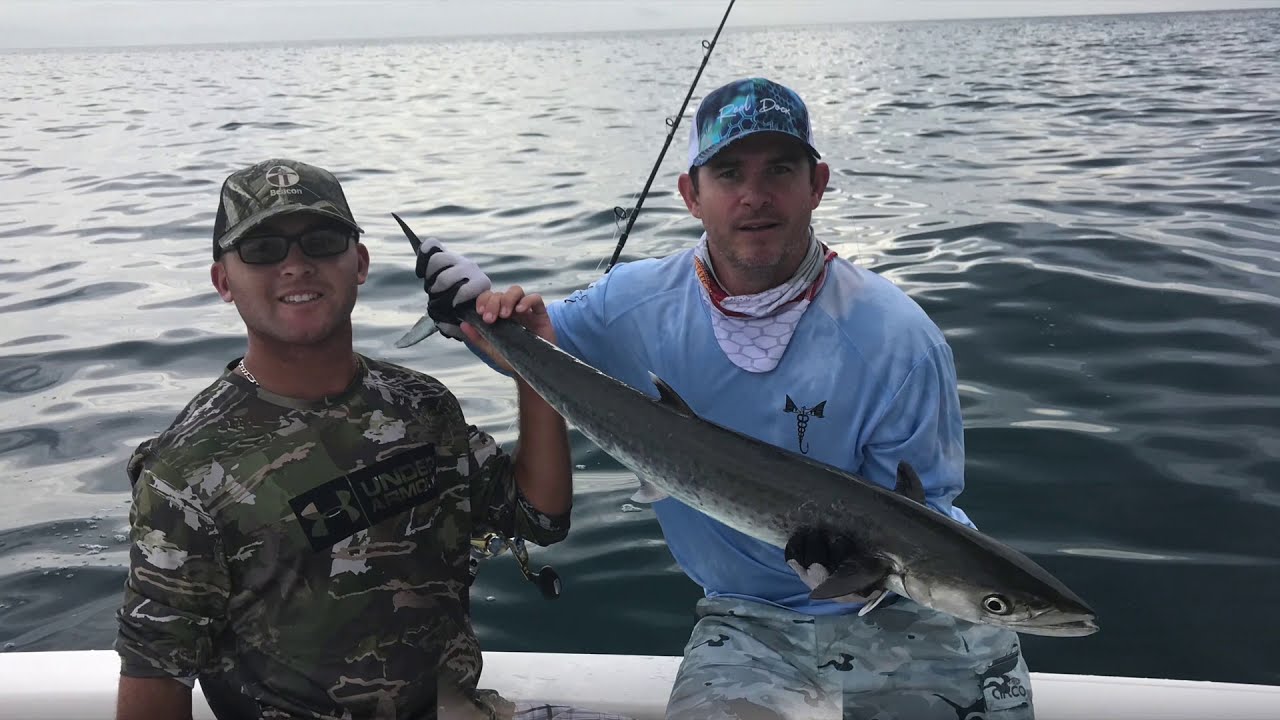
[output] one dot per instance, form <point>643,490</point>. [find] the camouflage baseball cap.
<point>272,188</point>
<point>745,107</point>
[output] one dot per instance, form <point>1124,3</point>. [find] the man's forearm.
<point>152,699</point>
<point>542,460</point>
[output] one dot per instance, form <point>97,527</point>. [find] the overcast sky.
<point>88,23</point>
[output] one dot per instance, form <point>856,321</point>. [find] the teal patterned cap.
<point>745,107</point>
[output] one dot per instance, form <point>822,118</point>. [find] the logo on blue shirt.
<point>802,419</point>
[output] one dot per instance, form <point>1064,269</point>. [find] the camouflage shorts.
<point>751,661</point>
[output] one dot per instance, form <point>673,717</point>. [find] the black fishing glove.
<point>449,280</point>
<point>815,555</point>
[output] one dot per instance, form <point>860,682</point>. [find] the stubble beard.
<point>774,266</point>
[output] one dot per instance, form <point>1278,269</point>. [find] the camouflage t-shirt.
<point>310,559</point>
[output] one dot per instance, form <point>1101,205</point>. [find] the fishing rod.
<point>672,123</point>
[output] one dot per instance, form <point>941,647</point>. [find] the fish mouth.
<point>1061,627</point>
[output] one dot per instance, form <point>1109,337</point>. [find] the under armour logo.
<point>328,513</point>
<point>802,419</point>
<point>320,517</point>
<point>281,176</point>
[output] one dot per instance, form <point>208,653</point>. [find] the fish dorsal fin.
<point>648,492</point>
<point>909,483</point>
<point>668,397</point>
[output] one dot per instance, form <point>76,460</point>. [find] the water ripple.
<point>1086,206</point>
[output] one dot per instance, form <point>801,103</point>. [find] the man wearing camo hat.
<point>301,532</point>
<point>762,329</point>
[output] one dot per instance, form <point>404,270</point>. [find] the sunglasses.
<point>269,249</point>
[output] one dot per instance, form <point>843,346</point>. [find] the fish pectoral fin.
<point>648,493</point>
<point>909,485</point>
<point>669,397</point>
<point>872,602</point>
<point>853,577</point>
<point>421,330</point>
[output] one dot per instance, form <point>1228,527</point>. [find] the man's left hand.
<point>449,280</point>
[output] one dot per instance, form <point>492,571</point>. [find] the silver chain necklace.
<point>248,375</point>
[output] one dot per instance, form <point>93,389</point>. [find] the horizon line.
<point>472,36</point>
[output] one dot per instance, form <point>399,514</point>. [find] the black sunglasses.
<point>269,249</point>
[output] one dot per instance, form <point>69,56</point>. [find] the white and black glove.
<point>815,555</point>
<point>449,280</point>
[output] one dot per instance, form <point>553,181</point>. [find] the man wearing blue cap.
<point>761,328</point>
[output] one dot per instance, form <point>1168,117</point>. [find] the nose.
<point>296,262</point>
<point>756,193</point>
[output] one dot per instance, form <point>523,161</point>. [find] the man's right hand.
<point>815,555</point>
<point>449,280</point>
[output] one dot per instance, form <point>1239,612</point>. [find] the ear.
<point>821,176</point>
<point>218,273</point>
<point>685,184</point>
<point>362,263</point>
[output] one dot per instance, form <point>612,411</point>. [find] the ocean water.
<point>1089,207</point>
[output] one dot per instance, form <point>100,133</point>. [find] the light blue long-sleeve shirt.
<point>867,380</point>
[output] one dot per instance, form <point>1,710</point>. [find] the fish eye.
<point>997,605</point>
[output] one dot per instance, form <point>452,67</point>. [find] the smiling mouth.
<point>299,298</point>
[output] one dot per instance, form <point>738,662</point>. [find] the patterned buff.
<point>753,330</point>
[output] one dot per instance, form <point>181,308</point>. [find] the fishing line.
<point>620,213</point>
<point>618,216</point>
